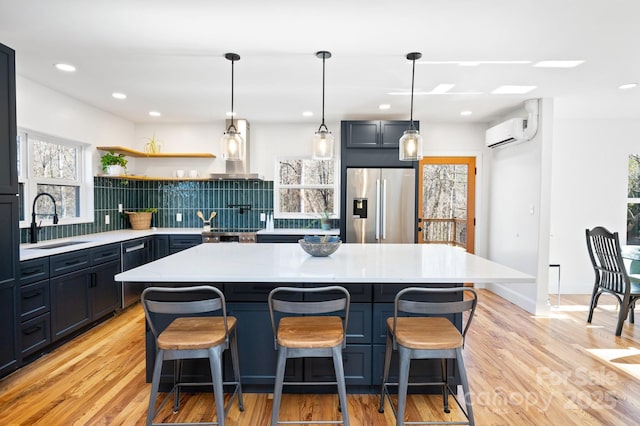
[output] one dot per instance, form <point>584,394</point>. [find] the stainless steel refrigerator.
<point>380,205</point>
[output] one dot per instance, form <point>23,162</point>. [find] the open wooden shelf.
<point>154,178</point>
<point>134,153</point>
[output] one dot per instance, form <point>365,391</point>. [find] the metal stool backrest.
<point>436,308</point>
<point>331,304</point>
<point>606,259</point>
<point>166,302</point>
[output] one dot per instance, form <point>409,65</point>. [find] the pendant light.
<point>232,141</point>
<point>323,139</point>
<point>411,142</point>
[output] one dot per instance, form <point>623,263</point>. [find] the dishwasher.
<point>134,253</point>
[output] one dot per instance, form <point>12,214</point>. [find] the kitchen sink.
<point>56,245</point>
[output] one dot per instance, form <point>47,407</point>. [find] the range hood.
<point>239,170</point>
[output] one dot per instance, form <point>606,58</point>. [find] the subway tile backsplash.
<point>171,197</point>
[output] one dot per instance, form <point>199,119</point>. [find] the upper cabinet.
<point>8,144</point>
<point>374,133</point>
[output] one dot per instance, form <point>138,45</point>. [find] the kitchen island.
<point>372,273</point>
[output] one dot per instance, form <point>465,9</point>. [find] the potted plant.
<point>325,220</point>
<point>141,219</point>
<point>113,164</point>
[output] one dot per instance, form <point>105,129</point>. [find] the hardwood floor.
<point>523,370</point>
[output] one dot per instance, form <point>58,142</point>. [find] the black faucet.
<point>35,228</point>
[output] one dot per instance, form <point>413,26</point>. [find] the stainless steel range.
<point>228,237</point>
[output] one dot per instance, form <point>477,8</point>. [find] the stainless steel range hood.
<point>239,170</point>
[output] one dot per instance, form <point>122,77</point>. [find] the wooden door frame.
<point>471,190</point>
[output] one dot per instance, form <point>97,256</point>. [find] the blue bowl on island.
<point>320,245</point>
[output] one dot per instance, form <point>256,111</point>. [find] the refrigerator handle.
<point>377,227</point>
<point>383,202</point>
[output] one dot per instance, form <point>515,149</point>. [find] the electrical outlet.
<point>263,217</point>
<point>178,217</point>
<point>120,208</point>
<point>106,219</point>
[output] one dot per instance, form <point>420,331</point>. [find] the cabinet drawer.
<point>105,254</point>
<point>253,292</point>
<point>181,242</point>
<point>34,300</point>
<point>34,270</point>
<point>69,262</point>
<point>35,334</point>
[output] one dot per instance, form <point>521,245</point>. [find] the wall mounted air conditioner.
<point>510,131</point>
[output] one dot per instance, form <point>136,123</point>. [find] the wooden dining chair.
<point>611,275</point>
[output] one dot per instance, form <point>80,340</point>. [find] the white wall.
<point>47,111</point>
<point>267,140</point>
<point>590,163</point>
<point>519,203</point>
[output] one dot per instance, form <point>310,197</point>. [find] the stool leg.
<point>277,391</point>
<point>155,383</point>
<point>385,373</point>
<point>215,361</point>
<point>445,388</point>
<point>465,385</point>
<point>177,378</point>
<point>403,383</point>
<point>236,368</point>
<point>342,389</point>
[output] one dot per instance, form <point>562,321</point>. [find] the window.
<point>60,168</point>
<point>305,188</point>
<point>633,200</point>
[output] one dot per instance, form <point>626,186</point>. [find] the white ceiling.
<point>168,55</point>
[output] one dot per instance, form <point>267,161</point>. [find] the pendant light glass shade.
<point>232,141</point>
<point>410,144</point>
<point>322,145</point>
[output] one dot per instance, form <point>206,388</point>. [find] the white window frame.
<point>84,179</point>
<point>278,214</point>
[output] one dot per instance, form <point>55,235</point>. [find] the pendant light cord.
<point>324,55</point>
<point>413,76</point>
<point>232,67</point>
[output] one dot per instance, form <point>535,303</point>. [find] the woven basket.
<point>140,220</point>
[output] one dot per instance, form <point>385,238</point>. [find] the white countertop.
<point>34,251</point>
<point>352,263</point>
<point>298,231</point>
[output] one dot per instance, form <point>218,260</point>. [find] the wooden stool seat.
<point>426,333</point>
<point>310,332</point>
<point>195,333</point>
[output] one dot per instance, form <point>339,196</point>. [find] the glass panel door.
<point>447,201</point>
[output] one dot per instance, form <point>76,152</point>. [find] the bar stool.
<point>190,334</point>
<point>428,337</point>
<point>307,333</point>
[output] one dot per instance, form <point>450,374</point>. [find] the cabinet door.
<point>362,134</point>
<point>255,347</point>
<point>8,331</point>
<point>160,246</point>
<point>105,292</point>
<point>70,309</point>
<point>181,242</point>
<point>392,131</point>
<point>9,267</point>
<point>357,367</point>
<point>8,144</point>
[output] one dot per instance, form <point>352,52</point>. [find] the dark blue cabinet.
<point>374,133</point>
<point>70,307</point>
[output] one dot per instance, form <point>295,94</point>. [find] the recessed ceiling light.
<point>384,106</point>
<point>230,114</point>
<point>558,64</point>
<point>513,90</point>
<point>465,113</point>
<point>65,67</point>
<point>628,86</point>
<point>119,95</point>
<point>307,114</point>
<point>442,88</point>
<point>154,113</point>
